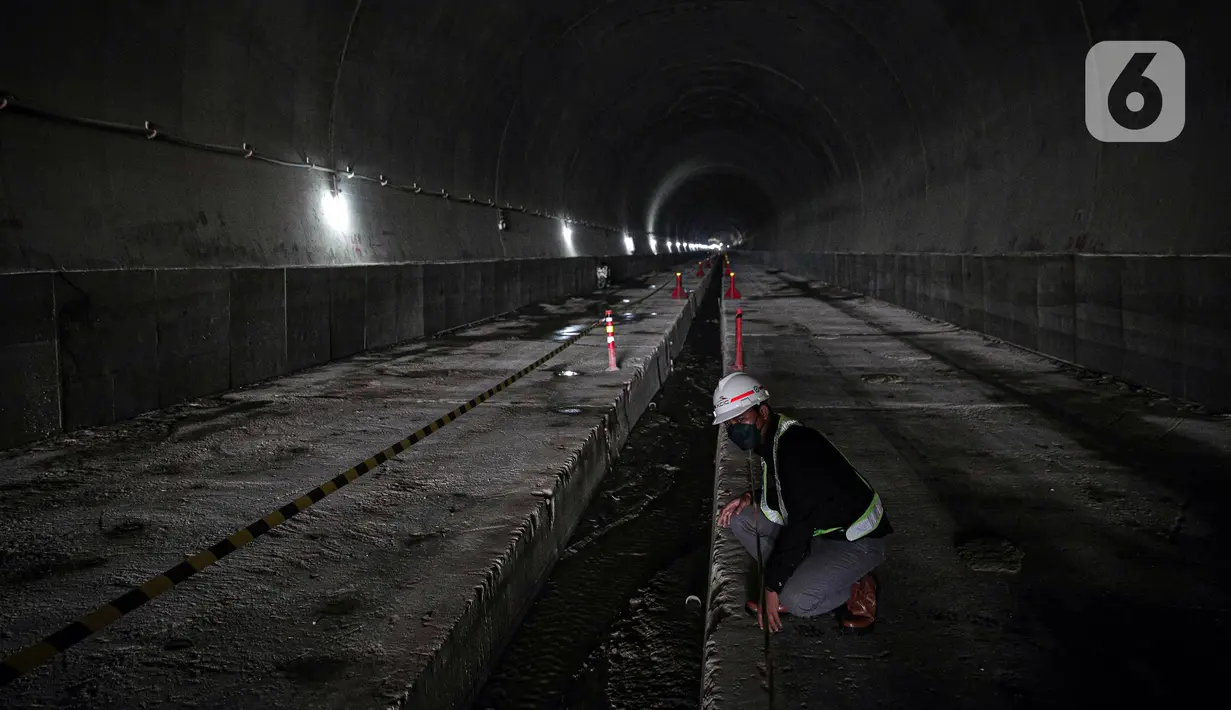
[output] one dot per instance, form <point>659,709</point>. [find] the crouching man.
<point>819,524</point>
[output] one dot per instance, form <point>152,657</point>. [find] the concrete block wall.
<point>1159,321</point>
<point>87,348</point>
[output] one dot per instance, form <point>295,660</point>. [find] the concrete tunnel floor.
<point>329,609</point>
<point>1061,538</point>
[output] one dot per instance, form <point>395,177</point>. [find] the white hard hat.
<point>737,393</point>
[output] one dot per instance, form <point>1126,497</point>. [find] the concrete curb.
<point>457,668</point>
<point>739,682</point>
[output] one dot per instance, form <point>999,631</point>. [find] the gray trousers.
<point>822,581</point>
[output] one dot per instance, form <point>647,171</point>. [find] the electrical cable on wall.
<point>151,131</point>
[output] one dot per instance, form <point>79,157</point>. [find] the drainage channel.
<point>614,626</point>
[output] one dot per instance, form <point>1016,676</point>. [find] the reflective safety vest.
<point>865,524</point>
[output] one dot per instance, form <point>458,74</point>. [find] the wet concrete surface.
<point>349,603</point>
<point>1060,541</point>
<point>614,627</point>
<point>542,322</point>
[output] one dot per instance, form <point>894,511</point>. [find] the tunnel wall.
<point>986,150</point>
<point>77,198</point>
<point>995,209</point>
<point>1161,321</point>
<point>297,82</point>
<point>80,349</point>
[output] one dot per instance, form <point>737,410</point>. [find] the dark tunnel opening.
<point>709,205</point>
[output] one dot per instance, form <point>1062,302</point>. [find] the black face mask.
<point>745,436</point>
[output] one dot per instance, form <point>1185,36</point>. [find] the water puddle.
<point>567,332</point>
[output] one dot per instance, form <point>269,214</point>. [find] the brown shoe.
<point>861,607</point>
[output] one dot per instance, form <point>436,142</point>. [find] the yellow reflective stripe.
<point>202,560</point>
<point>776,516</point>
<point>241,538</point>
<point>868,522</point>
<point>101,617</point>
<point>867,512</point>
<point>770,514</point>
<point>157,586</point>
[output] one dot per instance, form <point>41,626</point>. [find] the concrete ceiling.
<point>888,125</point>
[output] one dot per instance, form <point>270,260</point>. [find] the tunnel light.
<point>336,211</point>
<point>567,232</point>
<point>653,245</point>
<point>628,243</point>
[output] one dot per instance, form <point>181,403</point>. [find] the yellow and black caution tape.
<point>37,654</point>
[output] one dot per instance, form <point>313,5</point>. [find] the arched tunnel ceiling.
<point>924,124</point>
<point>836,107</point>
<point>711,202</point>
<point>763,85</point>
<point>592,106</point>
<point>878,126</point>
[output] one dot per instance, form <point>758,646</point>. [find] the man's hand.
<point>730,510</point>
<point>770,610</point>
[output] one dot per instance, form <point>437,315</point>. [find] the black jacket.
<point>822,491</point>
